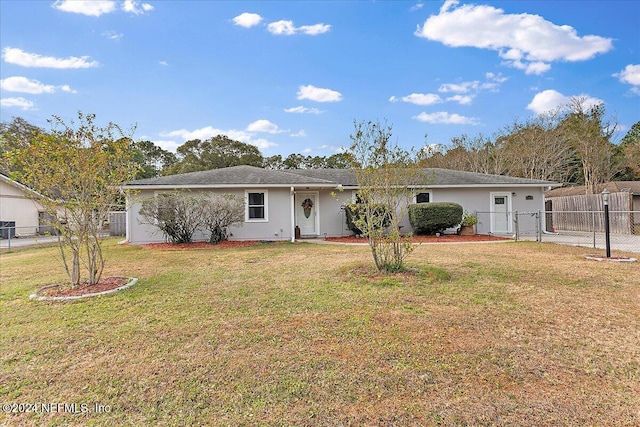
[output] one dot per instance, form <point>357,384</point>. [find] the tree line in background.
<point>573,146</point>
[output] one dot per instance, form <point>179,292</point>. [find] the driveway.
<point>19,242</point>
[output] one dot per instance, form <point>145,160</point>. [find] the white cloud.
<point>630,75</point>
<point>524,41</point>
<point>112,35</point>
<point>25,59</point>
<point>247,20</point>
<point>163,63</point>
<point>416,6</point>
<point>166,144</point>
<point>265,126</point>
<point>443,117</point>
<point>133,6</point>
<point>209,132</point>
<point>430,149</point>
<point>547,100</point>
<point>303,110</point>
<point>314,30</point>
<point>100,7</point>
<point>24,85</point>
<point>85,7</point>
<point>287,28</point>
<point>261,143</point>
<point>551,100</point>
<point>492,84</point>
<point>19,102</point>
<point>461,99</point>
<point>529,67</point>
<point>66,88</point>
<point>498,78</point>
<point>202,133</point>
<point>282,27</point>
<point>463,87</point>
<point>300,134</point>
<point>464,92</point>
<point>419,99</point>
<point>318,94</point>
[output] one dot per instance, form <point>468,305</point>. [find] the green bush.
<point>355,214</point>
<point>431,218</point>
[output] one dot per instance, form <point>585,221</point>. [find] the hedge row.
<point>431,218</point>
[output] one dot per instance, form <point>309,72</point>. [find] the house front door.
<point>500,212</point>
<point>307,213</point>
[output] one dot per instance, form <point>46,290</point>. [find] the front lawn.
<point>305,334</point>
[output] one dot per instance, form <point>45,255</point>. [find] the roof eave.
<point>215,186</point>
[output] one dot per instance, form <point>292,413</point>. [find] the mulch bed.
<point>105,284</point>
<point>200,245</point>
<point>446,238</point>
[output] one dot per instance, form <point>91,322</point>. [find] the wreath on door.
<point>307,205</point>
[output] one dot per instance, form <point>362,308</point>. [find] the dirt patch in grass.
<point>228,244</point>
<point>445,238</point>
<point>106,284</point>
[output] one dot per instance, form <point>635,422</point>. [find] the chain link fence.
<point>14,237</point>
<point>577,228</point>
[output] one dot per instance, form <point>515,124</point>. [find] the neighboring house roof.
<point>19,186</point>
<point>614,187</point>
<point>245,176</point>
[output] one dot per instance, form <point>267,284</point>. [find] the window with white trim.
<point>256,206</point>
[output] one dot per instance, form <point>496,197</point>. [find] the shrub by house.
<point>431,218</point>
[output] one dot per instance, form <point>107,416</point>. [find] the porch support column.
<point>127,219</point>
<point>293,215</point>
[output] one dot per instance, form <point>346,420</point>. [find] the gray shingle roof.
<point>235,175</point>
<point>252,176</point>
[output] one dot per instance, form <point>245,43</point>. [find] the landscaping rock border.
<point>610,259</point>
<point>34,296</point>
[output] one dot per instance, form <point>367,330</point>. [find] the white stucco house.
<point>18,206</point>
<point>275,200</point>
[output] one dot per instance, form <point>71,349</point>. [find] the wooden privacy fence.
<point>586,213</point>
<point>117,223</point>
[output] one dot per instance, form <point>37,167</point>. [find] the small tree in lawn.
<point>386,175</point>
<point>77,169</point>
<point>178,215</point>
<point>221,212</point>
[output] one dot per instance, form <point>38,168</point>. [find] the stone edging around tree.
<point>34,296</point>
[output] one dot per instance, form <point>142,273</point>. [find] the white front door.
<point>500,212</point>
<point>307,213</point>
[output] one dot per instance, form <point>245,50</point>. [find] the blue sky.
<point>292,76</point>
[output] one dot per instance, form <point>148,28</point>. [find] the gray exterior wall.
<point>479,200</point>
<point>331,216</point>
<point>277,226</point>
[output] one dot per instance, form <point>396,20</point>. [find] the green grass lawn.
<point>303,334</point>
